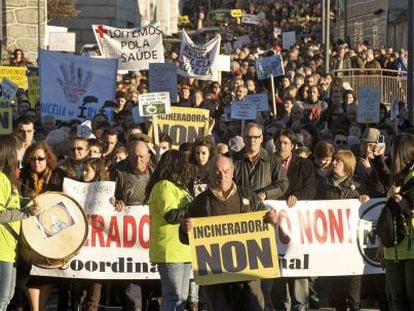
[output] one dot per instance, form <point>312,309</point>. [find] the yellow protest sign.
<point>6,121</point>
<point>15,74</point>
<point>33,91</point>
<point>233,248</point>
<point>183,124</point>
<point>183,20</point>
<point>236,13</point>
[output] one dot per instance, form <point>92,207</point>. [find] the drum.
<point>50,239</point>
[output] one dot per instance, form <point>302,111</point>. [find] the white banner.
<point>314,238</point>
<point>75,87</point>
<point>271,66</point>
<point>198,61</point>
<point>325,238</point>
<point>135,48</point>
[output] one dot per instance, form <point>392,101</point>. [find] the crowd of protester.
<point>311,147</point>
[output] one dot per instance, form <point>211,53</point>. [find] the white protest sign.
<point>316,238</point>
<point>271,66</point>
<point>62,41</point>
<point>288,39</point>
<point>325,238</point>
<point>8,89</point>
<point>368,109</point>
<point>260,100</point>
<point>84,129</point>
<point>198,61</point>
<point>163,78</point>
<point>75,87</point>
<point>92,196</point>
<point>223,63</point>
<point>243,111</point>
<point>151,104</point>
<point>135,48</point>
<point>49,29</point>
<point>251,19</point>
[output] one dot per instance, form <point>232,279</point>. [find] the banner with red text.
<point>325,238</point>
<point>314,238</point>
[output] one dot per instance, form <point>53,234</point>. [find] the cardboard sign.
<point>163,78</point>
<point>243,110</point>
<point>368,109</point>
<point>62,41</point>
<point>6,120</point>
<point>270,67</point>
<point>251,19</point>
<point>15,74</point>
<point>261,101</point>
<point>236,13</point>
<point>8,89</point>
<point>233,248</point>
<point>152,104</point>
<point>183,124</point>
<point>288,39</point>
<point>33,91</point>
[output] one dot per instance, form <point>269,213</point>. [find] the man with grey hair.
<point>224,197</point>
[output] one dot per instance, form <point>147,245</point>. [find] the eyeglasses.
<point>77,148</point>
<point>253,137</point>
<point>38,159</point>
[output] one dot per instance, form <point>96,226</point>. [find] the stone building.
<point>20,27</point>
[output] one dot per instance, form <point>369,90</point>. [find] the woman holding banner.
<point>10,216</point>
<point>339,185</point>
<point>166,191</point>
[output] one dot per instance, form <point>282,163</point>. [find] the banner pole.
<point>273,97</point>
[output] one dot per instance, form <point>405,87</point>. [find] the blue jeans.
<point>7,282</point>
<point>175,280</point>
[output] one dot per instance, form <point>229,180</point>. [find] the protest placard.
<point>62,41</point>
<point>271,66</point>
<point>242,41</point>
<point>33,91</point>
<point>251,19</point>
<point>236,13</point>
<point>198,61</point>
<point>135,48</point>
<point>8,89</point>
<point>277,31</point>
<point>15,74</point>
<point>84,129</point>
<point>368,109</point>
<point>152,104</point>
<point>316,238</point>
<point>288,39</point>
<point>75,87</point>
<point>242,110</point>
<point>163,78</point>
<point>183,20</point>
<point>183,124</point>
<point>6,120</point>
<point>233,248</point>
<point>260,100</point>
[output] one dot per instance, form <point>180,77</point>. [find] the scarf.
<point>39,180</point>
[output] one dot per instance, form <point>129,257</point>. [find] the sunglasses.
<point>38,159</point>
<point>340,142</point>
<point>77,148</point>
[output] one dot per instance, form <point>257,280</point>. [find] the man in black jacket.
<point>261,172</point>
<point>293,293</point>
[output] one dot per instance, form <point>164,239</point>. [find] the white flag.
<point>135,48</point>
<point>198,61</point>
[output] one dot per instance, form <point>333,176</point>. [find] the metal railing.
<point>392,83</point>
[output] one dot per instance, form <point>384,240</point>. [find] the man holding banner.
<point>223,197</point>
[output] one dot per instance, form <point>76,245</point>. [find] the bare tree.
<point>61,9</point>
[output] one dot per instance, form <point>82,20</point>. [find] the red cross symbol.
<point>101,31</point>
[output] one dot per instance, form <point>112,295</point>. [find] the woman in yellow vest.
<point>10,216</point>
